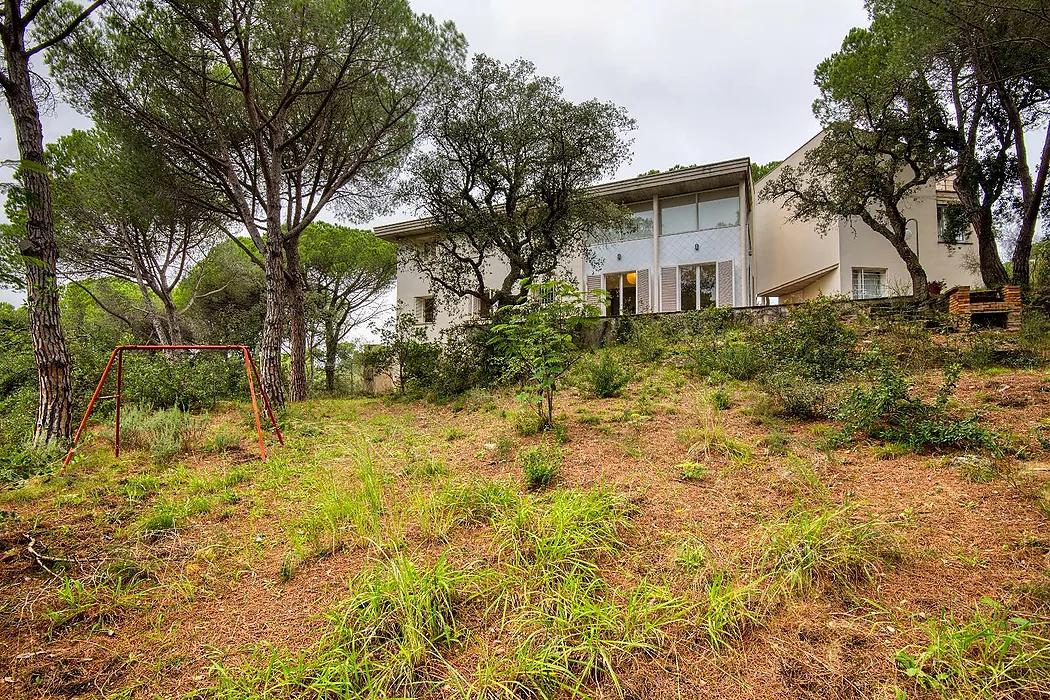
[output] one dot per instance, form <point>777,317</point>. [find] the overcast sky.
<point>706,81</point>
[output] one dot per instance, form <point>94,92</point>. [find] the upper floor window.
<point>707,210</point>
<point>640,228</point>
<point>952,225</point>
<point>426,310</point>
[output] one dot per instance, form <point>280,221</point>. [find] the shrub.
<point>693,471</point>
<point>813,340</point>
<point>605,376</point>
<point>164,433</point>
<point>742,361</point>
<point>885,410</point>
<point>794,394</point>
<point>644,337</point>
<point>541,465</point>
<point>18,463</point>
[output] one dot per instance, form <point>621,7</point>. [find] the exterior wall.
<point>860,246</point>
<point>788,250</point>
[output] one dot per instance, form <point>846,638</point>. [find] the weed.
<point>526,422</point>
<point>721,400</point>
<point>98,603</point>
<point>541,465</point>
<point>222,441</point>
<point>138,487</point>
<point>164,433</point>
<point>776,442</point>
<point>890,450</point>
<point>693,471</point>
<point>810,546</point>
<point>505,446</point>
<point>605,376</point>
<point>993,655</point>
<point>727,608</point>
<point>455,433</point>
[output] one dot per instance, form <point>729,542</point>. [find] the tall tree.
<point>222,298</point>
<point>881,147</point>
<point>506,180</point>
<point>120,214</point>
<point>48,23</point>
<point>279,109</point>
<point>989,59</point>
<point>348,272</point>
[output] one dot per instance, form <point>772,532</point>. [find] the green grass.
<point>693,471</point>
<point>541,465</point>
<point>824,545</point>
<point>994,654</point>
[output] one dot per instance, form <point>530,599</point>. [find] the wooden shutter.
<point>724,282</point>
<point>594,283</point>
<point>419,310</point>
<point>644,292</point>
<point>668,289</point>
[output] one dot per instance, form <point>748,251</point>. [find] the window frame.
<point>880,272</point>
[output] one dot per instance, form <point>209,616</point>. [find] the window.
<point>696,287</point>
<point>708,210</point>
<point>622,288</point>
<point>952,225</point>
<point>677,215</point>
<point>867,283</point>
<point>426,310</point>
<point>719,209</point>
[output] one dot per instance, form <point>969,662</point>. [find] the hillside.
<point>693,539</point>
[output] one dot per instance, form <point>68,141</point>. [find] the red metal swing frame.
<point>118,355</point>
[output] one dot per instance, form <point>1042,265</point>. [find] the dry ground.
<point>241,569</point>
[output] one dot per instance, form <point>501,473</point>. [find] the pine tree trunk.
<point>54,417</point>
<point>296,294</point>
<point>273,320</point>
<point>331,347</point>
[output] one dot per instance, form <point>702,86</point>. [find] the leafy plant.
<point>605,376</point>
<point>536,342</point>
<point>541,465</point>
<point>994,654</point>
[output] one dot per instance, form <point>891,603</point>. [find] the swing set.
<point>118,355</point>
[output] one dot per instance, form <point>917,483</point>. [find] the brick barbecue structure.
<point>988,308</point>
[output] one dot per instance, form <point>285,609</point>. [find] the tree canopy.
<point>505,178</point>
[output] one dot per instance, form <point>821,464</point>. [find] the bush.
<point>165,433</point>
<point>741,361</point>
<point>885,410</point>
<point>18,463</point>
<point>605,376</point>
<point>813,340</point>
<point>794,394</point>
<point>541,465</point>
<point>721,400</point>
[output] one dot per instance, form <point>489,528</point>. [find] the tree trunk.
<point>993,272</point>
<point>54,416</point>
<point>273,320</point>
<point>331,347</point>
<point>296,321</point>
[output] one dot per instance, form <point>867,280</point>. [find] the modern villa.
<point>704,239</point>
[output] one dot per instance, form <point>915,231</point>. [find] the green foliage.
<point>404,354</point>
<point>693,471</point>
<point>535,338</point>
<point>887,411</point>
<point>165,433</point>
<point>721,400</point>
<point>504,133</point>
<point>795,395</point>
<point>541,465</point>
<point>18,463</point>
<point>228,292</point>
<point>760,171</point>
<point>17,377</point>
<point>994,654</point>
<point>812,341</point>
<point>739,360</point>
<point>605,376</point>
<point>812,546</point>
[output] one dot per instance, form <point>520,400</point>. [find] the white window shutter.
<point>419,309</point>
<point>594,283</point>
<point>475,307</point>
<point>724,282</point>
<point>644,292</point>
<point>668,289</point>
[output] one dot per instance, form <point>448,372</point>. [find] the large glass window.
<point>867,283</point>
<point>697,286</point>
<point>719,209</point>
<point>677,215</point>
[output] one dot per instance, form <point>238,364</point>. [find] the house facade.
<point>797,260</point>
<point>690,248</point>
<point>703,238</point>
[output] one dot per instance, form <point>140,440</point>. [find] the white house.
<point>796,260</point>
<point>703,240</point>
